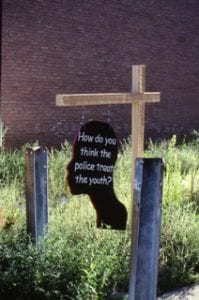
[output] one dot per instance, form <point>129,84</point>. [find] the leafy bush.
<point>84,264</point>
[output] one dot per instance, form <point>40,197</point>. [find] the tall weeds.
<point>77,261</point>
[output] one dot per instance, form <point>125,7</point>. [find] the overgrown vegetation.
<point>75,260</point>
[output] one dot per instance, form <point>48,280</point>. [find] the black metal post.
<point>36,191</point>
<point>146,219</point>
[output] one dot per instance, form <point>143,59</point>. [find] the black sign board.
<point>90,171</point>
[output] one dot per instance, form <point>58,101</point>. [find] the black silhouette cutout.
<point>90,172</point>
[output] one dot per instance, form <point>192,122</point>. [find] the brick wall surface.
<point>73,46</point>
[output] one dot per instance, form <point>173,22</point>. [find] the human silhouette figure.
<point>90,171</point>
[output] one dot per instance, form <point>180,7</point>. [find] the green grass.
<point>75,260</point>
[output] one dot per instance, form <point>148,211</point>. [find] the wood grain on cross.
<point>137,98</point>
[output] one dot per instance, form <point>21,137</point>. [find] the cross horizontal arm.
<point>100,99</point>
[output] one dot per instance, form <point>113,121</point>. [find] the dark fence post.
<point>146,231</point>
<point>36,191</point>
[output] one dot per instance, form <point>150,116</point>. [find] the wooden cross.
<point>137,99</point>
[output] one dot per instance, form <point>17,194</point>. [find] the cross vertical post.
<point>138,110</point>
<point>137,119</point>
<point>137,139</point>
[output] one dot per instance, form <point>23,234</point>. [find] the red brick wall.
<point>75,46</point>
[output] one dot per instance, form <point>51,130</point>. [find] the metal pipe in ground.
<point>36,189</point>
<point>146,228</point>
